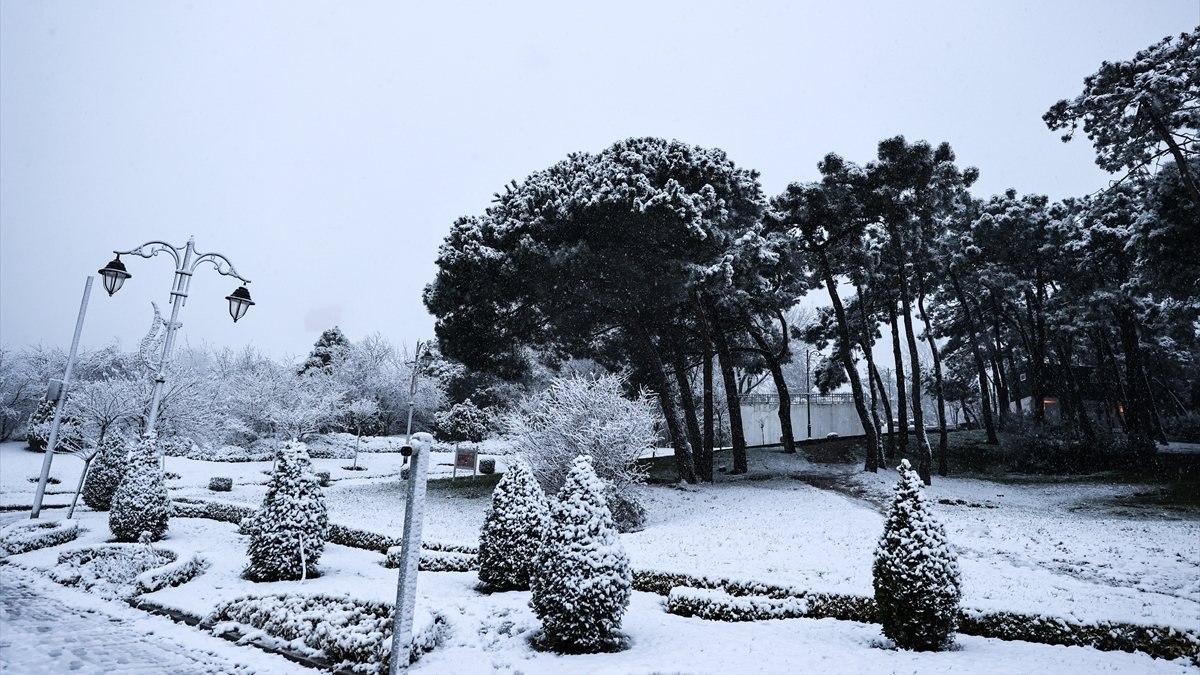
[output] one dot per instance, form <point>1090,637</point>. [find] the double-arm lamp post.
<point>187,259</point>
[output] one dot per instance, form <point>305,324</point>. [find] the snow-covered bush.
<point>512,531</point>
<point>463,422</point>
<point>288,531</point>
<point>220,483</point>
<point>105,474</point>
<point>141,503</point>
<point>916,576</point>
<point>110,571</point>
<point>352,634</point>
<point>586,415</point>
<point>171,574</point>
<point>487,466</point>
<point>70,431</point>
<point>30,535</point>
<point>582,582</point>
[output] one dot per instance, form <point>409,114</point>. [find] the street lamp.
<point>187,259</point>
<point>808,387</point>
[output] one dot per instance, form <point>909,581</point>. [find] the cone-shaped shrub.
<point>581,582</point>
<point>105,475</point>
<point>288,530</point>
<point>917,585</point>
<point>141,503</point>
<point>512,531</point>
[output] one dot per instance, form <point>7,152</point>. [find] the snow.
<point>1070,550</point>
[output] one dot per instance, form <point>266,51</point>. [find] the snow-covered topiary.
<point>70,432</point>
<point>917,586</point>
<point>512,531</point>
<point>287,535</point>
<point>105,474</point>
<point>588,415</point>
<point>141,503</point>
<point>582,581</point>
<point>463,422</point>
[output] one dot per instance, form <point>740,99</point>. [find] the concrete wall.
<point>834,413</point>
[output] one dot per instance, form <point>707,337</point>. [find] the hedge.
<point>25,536</point>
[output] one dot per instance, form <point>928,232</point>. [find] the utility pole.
<point>52,441</point>
<point>419,447</point>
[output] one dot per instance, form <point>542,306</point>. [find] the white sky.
<point>327,147</point>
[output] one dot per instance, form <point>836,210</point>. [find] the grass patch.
<point>467,487</point>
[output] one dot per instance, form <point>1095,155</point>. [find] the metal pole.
<point>808,390</point>
<point>52,442</point>
<point>179,293</point>
<point>410,554</point>
<point>412,395</point>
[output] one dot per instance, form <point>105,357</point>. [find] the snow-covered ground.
<point>1068,550</point>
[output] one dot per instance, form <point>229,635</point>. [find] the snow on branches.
<point>287,533</point>
<point>916,578</point>
<point>582,581</point>
<point>512,531</point>
<point>586,415</point>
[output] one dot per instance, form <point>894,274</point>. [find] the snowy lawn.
<point>489,633</point>
<point>1065,549</point>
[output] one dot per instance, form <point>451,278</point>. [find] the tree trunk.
<point>666,398</point>
<point>874,453</point>
<point>989,422</point>
<point>887,411</point>
<point>1138,421</point>
<point>785,396</point>
<point>732,399</point>
<point>1164,134</point>
<point>1037,359</point>
<point>901,394</point>
<point>704,463</point>
<point>860,404</point>
<point>943,440</point>
<point>924,452</point>
<point>998,376</point>
<point>679,364</point>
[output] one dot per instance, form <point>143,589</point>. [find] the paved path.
<point>45,628</point>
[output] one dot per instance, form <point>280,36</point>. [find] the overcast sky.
<point>326,148</point>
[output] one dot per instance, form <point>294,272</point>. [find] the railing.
<point>798,399</point>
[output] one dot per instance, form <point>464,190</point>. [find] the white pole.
<point>410,554</point>
<point>52,442</point>
<point>179,293</point>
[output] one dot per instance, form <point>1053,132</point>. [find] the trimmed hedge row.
<point>436,561</point>
<point>172,574</point>
<point>729,600</point>
<point>338,534</point>
<point>352,633</point>
<point>717,605</point>
<point>26,536</point>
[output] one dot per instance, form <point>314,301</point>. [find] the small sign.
<point>465,458</point>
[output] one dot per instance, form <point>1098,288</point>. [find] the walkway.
<point>46,628</point>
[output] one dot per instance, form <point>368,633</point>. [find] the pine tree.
<point>106,473</point>
<point>512,531</point>
<point>70,436</point>
<point>582,581</point>
<point>329,349</point>
<point>141,503</point>
<point>288,532</point>
<point>917,585</point>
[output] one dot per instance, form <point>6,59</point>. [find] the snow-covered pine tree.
<point>582,581</point>
<point>917,585</point>
<point>141,503</point>
<point>70,435</point>
<point>328,351</point>
<point>512,531</point>
<point>288,533</point>
<point>105,475</point>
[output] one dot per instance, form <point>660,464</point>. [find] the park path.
<point>46,628</point>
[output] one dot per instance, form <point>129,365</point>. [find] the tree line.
<point>669,261</point>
